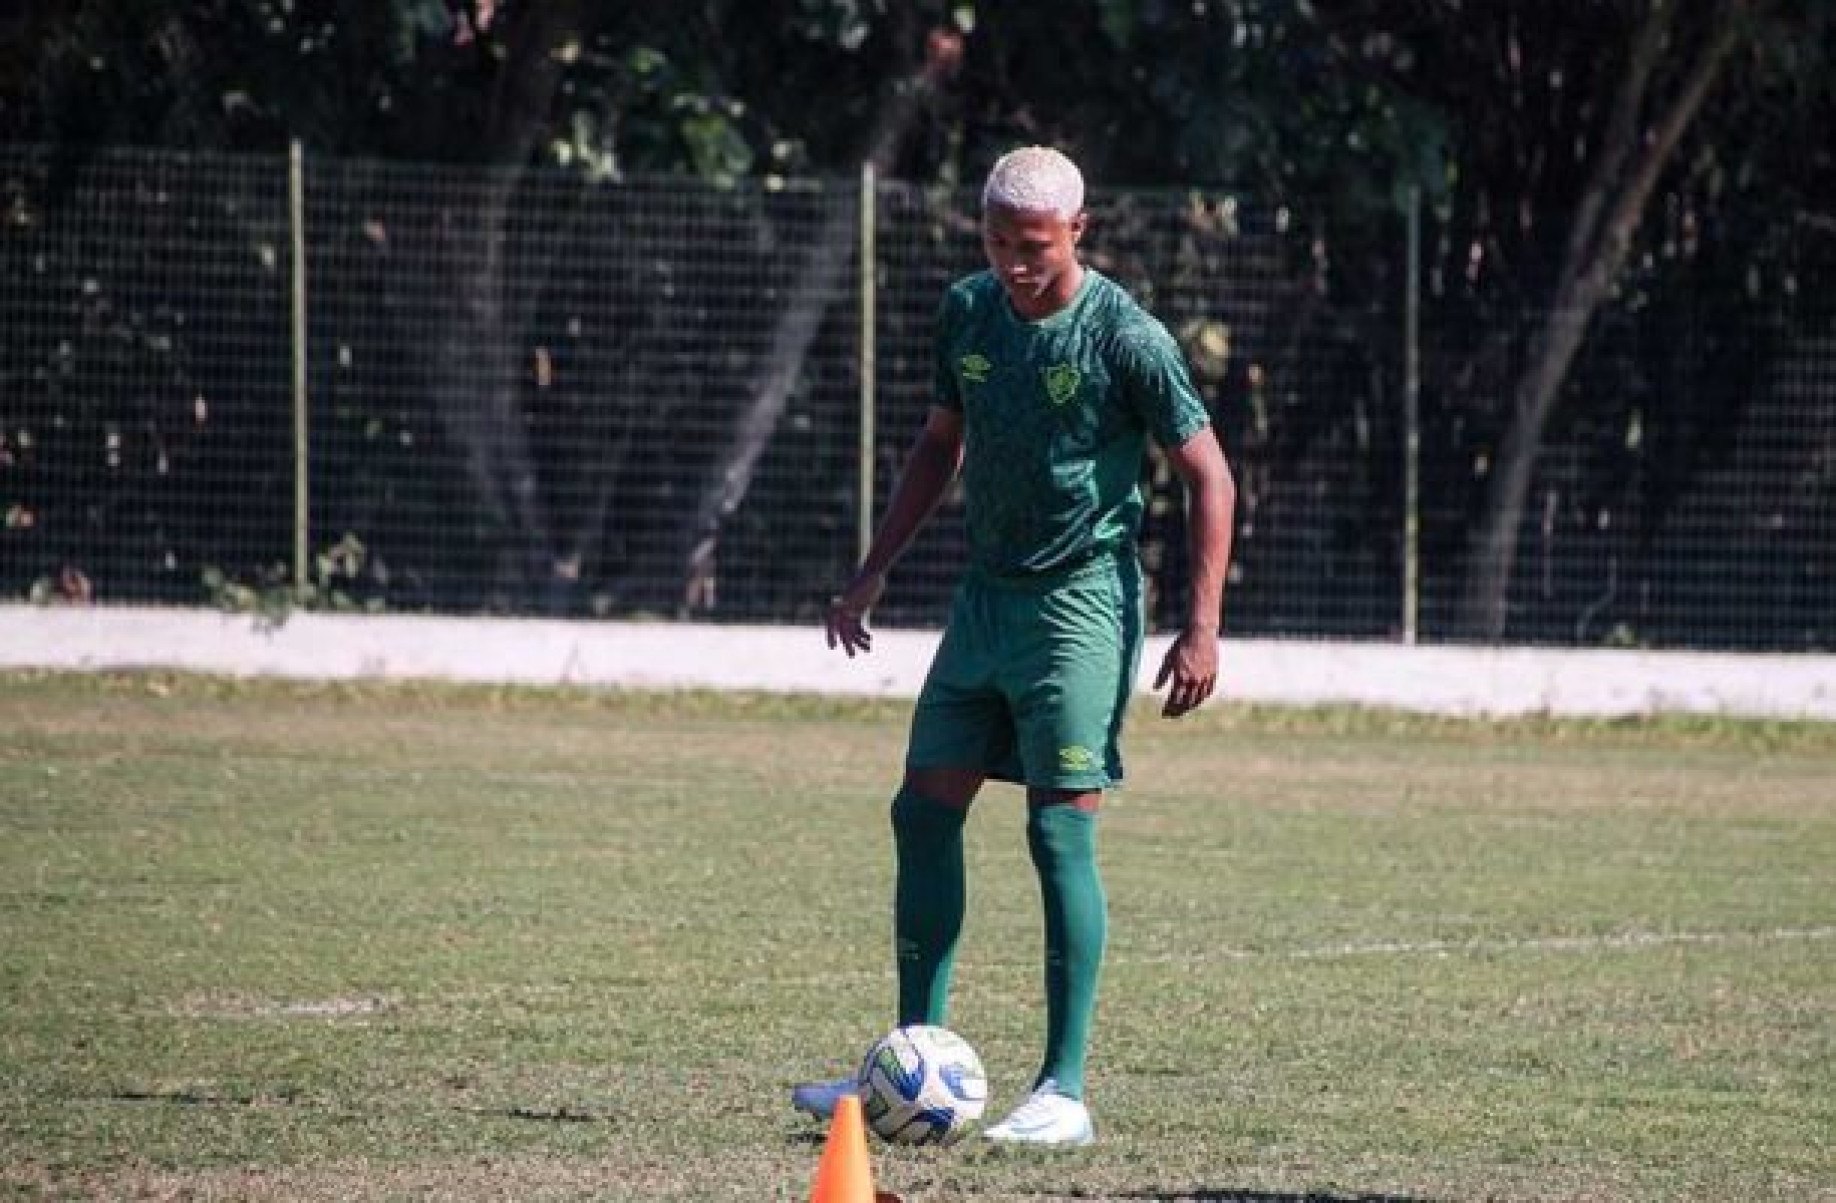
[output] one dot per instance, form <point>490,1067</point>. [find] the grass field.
<point>296,942</point>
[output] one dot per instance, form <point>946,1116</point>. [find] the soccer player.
<point>1050,380</point>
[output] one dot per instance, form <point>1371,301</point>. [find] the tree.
<point>1540,135</point>
<point>1572,122</point>
<point>1666,72</point>
<point>1588,168</point>
<point>899,107</point>
<point>508,86</point>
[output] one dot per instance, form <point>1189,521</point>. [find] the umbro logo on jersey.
<point>975,367</point>
<point>1061,381</point>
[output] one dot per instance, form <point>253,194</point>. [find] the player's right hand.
<point>847,625</point>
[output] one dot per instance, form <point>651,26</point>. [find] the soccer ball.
<point>920,1085</point>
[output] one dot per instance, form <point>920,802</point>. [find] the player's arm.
<point>1190,669</point>
<point>932,464</point>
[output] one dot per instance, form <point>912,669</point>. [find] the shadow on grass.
<point>194,1098</point>
<point>1224,1194</point>
<point>543,1115</point>
<point>198,1098</point>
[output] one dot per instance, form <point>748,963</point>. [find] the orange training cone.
<point>844,1174</point>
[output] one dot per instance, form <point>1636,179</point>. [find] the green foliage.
<point>1280,97</point>
<point>337,577</point>
<point>1331,115</point>
<point>650,87</point>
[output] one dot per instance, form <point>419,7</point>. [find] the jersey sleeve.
<point>1158,385</point>
<point>946,390</point>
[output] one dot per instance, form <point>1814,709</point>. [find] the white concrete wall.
<point>795,659</point>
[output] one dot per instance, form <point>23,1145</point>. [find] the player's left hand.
<point>1190,671</point>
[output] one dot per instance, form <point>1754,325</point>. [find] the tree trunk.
<point>476,391</point>
<point>727,482</point>
<point>726,485</point>
<point>1625,173</point>
<point>478,353</point>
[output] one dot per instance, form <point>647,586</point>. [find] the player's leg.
<point>1061,835</point>
<point>962,732</point>
<point>929,901</point>
<point>960,728</point>
<point>1069,709</point>
<point>929,888</point>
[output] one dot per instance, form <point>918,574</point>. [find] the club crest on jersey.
<point>975,367</point>
<point>1061,381</point>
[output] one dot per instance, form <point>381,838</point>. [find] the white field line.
<point>1617,942</point>
<point>1583,945</point>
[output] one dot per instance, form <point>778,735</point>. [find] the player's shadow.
<point>1206,1194</point>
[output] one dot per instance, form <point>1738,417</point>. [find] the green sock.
<point>1062,840</point>
<point>928,902</point>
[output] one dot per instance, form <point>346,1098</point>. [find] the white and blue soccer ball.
<point>920,1085</point>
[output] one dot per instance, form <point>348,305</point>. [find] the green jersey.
<point>1056,417</point>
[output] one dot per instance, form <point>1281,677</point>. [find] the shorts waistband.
<point>1104,563</point>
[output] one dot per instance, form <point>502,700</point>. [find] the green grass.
<point>273,941</point>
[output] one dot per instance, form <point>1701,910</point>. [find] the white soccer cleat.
<point>821,1098</point>
<point>1047,1118</point>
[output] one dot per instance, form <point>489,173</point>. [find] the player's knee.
<point>946,787</point>
<point>1060,836</point>
<point>922,822</point>
<point>1086,800</point>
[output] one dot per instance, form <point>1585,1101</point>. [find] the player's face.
<point>1034,255</point>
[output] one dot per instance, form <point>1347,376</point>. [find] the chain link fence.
<point>540,393</point>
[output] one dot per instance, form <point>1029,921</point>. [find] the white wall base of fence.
<point>1451,680</point>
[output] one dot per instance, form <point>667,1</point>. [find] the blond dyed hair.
<point>1035,179</point>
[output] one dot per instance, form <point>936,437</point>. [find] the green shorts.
<point>1032,680</point>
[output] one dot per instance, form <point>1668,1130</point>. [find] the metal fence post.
<point>1412,423</point>
<point>296,206</point>
<point>868,276</point>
